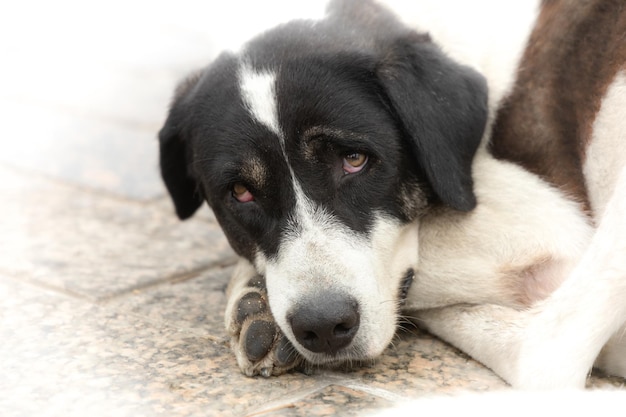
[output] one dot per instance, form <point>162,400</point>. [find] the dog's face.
<point>317,148</point>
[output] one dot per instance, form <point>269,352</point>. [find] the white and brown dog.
<point>395,159</point>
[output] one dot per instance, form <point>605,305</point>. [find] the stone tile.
<point>94,246</point>
<point>417,364</point>
<point>64,357</point>
<point>196,305</point>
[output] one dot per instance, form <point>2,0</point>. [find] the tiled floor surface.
<point>109,306</point>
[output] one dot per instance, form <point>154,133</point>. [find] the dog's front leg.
<point>612,358</point>
<point>259,345</point>
<point>550,346</point>
<point>515,344</point>
<point>491,334</point>
<point>536,349</point>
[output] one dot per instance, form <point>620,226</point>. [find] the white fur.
<point>607,152</point>
<point>238,287</point>
<point>584,313</point>
<point>478,257</point>
<point>258,90</point>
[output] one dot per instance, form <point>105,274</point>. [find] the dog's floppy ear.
<point>442,107</point>
<point>180,183</point>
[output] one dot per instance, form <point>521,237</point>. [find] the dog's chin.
<point>349,356</point>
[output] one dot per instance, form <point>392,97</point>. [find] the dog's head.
<point>317,147</point>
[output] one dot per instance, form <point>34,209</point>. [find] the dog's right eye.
<point>241,193</point>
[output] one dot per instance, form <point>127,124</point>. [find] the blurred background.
<point>85,86</point>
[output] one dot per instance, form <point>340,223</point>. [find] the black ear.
<point>174,158</point>
<point>442,107</point>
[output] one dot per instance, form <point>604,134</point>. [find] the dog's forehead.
<point>292,97</point>
<point>258,93</point>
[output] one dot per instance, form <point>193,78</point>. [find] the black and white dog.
<point>377,163</point>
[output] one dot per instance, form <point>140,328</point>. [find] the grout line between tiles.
<point>175,278</point>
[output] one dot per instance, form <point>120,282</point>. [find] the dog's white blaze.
<point>258,90</point>
<point>321,254</point>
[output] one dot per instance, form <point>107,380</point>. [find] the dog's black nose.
<point>327,323</point>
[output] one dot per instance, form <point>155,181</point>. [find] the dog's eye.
<point>241,193</point>
<point>354,162</point>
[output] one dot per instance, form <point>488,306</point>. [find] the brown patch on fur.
<point>574,52</point>
<point>255,172</point>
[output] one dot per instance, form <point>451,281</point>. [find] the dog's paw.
<point>259,345</point>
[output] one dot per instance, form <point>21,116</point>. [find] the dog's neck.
<point>505,237</point>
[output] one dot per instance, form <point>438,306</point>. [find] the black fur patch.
<point>356,82</point>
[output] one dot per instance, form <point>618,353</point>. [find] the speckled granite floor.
<point>109,306</point>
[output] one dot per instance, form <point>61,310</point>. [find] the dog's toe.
<point>258,340</point>
<point>259,345</point>
<point>251,304</point>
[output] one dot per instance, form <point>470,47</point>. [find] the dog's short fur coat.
<point>385,162</point>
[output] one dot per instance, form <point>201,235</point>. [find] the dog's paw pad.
<point>251,304</point>
<point>258,340</point>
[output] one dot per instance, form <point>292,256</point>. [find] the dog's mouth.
<point>405,285</point>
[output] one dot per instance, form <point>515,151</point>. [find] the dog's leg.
<point>555,343</point>
<point>572,326</point>
<point>259,345</point>
<point>490,334</point>
<point>516,345</point>
<point>612,359</point>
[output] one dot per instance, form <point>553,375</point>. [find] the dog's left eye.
<point>353,162</point>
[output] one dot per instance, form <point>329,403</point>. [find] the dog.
<point>378,164</point>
